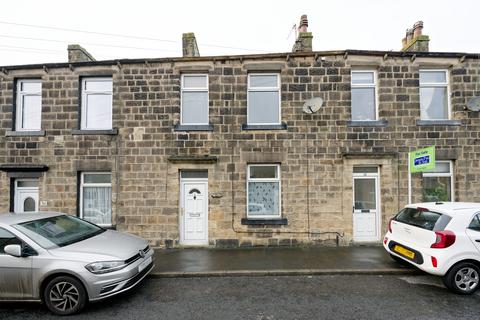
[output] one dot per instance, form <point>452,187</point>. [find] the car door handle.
<point>478,240</point>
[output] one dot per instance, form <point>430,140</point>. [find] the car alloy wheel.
<point>466,279</point>
<point>64,295</point>
<point>463,278</point>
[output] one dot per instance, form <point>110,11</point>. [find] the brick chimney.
<point>414,39</point>
<point>304,40</point>
<point>77,53</point>
<point>189,43</point>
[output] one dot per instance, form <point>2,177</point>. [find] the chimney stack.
<point>77,53</point>
<point>415,40</point>
<point>304,41</point>
<point>189,43</point>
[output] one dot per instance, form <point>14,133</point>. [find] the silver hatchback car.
<point>65,261</point>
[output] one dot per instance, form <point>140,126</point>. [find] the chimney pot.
<point>304,41</point>
<point>417,29</point>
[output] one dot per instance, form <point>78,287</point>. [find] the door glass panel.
<point>29,204</point>
<point>194,174</point>
<point>365,169</point>
<point>27,183</point>
<point>365,197</point>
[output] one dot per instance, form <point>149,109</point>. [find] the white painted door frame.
<point>378,214</point>
<point>22,193</point>
<point>192,183</point>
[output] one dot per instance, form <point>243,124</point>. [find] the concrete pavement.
<point>275,261</point>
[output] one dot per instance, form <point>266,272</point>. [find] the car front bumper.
<point>102,286</point>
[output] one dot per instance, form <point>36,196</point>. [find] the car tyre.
<point>64,295</point>
<point>463,278</point>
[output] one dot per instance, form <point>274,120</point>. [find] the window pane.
<point>27,183</point>
<point>263,198</point>
<point>259,81</point>
<point>97,178</point>
<point>29,86</point>
<point>98,85</point>
<point>365,194</point>
<point>199,81</point>
<point>195,107</point>
<point>433,103</point>
<point>474,225</point>
<point>98,111</point>
<point>433,77</point>
<point>365,169</point>
<point>194,174</point>
<point>437,189</point>
<point>97,204</point>
<point>363,77</point>
<point>7,238</point>
<point>263,172</point>
<point>440,167</point>
<point>363,104</point>
<point>263,107</point>
<point>31,112</point>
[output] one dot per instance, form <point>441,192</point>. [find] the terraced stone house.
<point>280,149</point>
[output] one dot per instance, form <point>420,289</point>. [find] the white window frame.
<point>445,84</point>
<point>98,185</point>
<point>19,103</point>
<point>278,179</point>
<point>197,89</point>
<point>265,89</point>
<point>442,174</point>
<point>86,92</point>
<point>366,85</point>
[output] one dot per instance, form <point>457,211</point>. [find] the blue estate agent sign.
<point>422,159</point>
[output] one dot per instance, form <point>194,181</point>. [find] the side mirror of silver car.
<point>13,250</point>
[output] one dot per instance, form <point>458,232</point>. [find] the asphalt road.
<point>262,298</point>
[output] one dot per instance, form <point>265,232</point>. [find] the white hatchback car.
<point>441,238</point>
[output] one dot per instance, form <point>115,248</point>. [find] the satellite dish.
<point>474,104</point>
<point>312,105</point>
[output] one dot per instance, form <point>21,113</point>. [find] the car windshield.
<point>58,231</point>
<point>423,218</point>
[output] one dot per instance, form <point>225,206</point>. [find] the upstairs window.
<point>364,101</point>
<point>263,105</point>
<point>434,101</point>
<point>194,103</point>
<point>96,112</point>
<point>438,183</point>
<point>28,105</point>
<point>263,191</point>
<point>96,197</point>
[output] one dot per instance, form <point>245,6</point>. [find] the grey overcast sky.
<point>225,27</point>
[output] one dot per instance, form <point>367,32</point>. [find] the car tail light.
<point>390,225</point>
<point>434,262</point>
<point>444,239</point>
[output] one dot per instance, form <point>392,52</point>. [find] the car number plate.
<point>405,252</point>
<point>144,264</point>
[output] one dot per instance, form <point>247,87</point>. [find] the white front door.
<point>366,208</point>
<point>26,195</point>
<point>194,212</point>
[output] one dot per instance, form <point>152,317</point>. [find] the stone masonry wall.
<point>316,151</point>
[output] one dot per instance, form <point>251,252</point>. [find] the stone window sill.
<point>111,132</point>
<point>263,222</point>
<point>193,127</point>
<point>281,126</point>
<point>369,123</point>
<point>35,133</point>
<point>439,122</point>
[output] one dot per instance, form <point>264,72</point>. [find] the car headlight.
<point>105,266</point>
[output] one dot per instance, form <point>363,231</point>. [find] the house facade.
<point>279,149</point>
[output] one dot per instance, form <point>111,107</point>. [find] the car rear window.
<point>423,218</point>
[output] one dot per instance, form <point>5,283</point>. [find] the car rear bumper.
<point>423,257</point>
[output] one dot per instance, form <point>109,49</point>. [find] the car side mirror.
<point>13,250</point>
